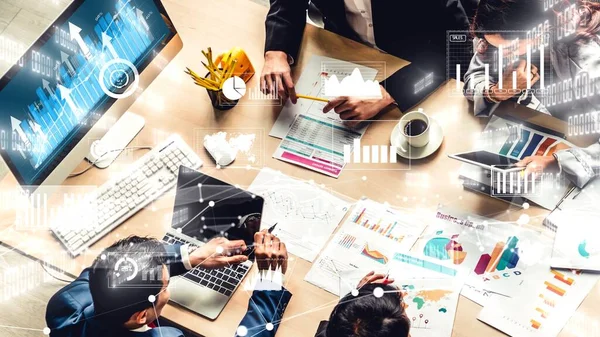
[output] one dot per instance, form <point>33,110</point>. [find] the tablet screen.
<point>487,158</point>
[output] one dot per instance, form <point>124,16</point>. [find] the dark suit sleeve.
<point>431,60</point>
<point>401,84</point>
<point>265,307</point>
<point>174,260</point>
<point>285,25</point>
<point>322,329</point>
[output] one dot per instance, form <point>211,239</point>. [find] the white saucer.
<point>436,137</point>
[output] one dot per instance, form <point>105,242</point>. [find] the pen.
<point>312,98</point>
<point>272,228</point>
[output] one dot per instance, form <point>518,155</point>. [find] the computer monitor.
<point>89,66</point>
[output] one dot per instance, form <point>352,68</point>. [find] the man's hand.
<point>354,110</point>
<point>507,81</point>
<point>277,76</point>
<point>270,252</point>
<point>218,253</point>
<point>371,277</point>
<point>538,164</point>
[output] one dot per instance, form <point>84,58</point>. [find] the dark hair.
<point>124,276</point>
<point>506,15</point>
<point>366,315</point>
<point>588,20</point>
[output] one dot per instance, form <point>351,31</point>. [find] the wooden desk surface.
<point>172,104</point>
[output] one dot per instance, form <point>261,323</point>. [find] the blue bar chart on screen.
<point>91,59</point>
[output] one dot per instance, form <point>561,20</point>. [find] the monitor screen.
<point>206,208</point>
<point>90,57</point>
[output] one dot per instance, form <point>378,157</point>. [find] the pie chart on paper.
<point>234,88</point>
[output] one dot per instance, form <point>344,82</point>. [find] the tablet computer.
<point>488,160</point>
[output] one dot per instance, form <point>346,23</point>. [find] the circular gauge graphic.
<point>119,78</point>
<point>234,88</point>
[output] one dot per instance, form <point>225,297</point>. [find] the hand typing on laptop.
<point>219,253</point>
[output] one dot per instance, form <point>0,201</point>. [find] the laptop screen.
<point>206,208</point>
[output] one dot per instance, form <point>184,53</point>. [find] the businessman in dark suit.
<point>412,30</point>
<point>123,293</point>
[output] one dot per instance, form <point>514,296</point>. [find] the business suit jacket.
<point>412,30</point>
<point>70,312</point>
<point>322,329</point>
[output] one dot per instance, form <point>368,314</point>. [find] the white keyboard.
<point>120,198</point>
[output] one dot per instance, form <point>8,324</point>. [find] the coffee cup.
<point>414,126</point>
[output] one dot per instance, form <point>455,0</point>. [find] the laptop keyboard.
<point>223,280</point>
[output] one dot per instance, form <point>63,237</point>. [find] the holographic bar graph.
<point>370,154</point>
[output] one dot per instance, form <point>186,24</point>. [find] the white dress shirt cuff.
<point>185,257</point>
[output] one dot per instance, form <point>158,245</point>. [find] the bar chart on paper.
<point>380,222</point>
<point>543,305</point>
<point>367,241</point>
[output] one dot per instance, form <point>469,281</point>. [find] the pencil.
<point>313,98</point>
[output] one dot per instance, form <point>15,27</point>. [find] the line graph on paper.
<point>287,205</point>
<point>305,213</point>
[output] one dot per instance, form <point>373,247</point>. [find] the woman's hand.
<point>508,91</point>
<point>538,164</point>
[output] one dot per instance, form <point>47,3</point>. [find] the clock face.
<point>234,88</point>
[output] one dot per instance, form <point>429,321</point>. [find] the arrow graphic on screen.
<point>106,43</point>
<point>16,126</point>
<point>66,95</point>
<point>140,16</point>
<point>65,59</point>
<point>46,85</point>
<point>75,31</point>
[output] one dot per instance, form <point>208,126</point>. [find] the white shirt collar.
<point>143,328</point>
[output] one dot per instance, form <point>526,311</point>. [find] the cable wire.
<point>54,277</point>
<point>72,175</point>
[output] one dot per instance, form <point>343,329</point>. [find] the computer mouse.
<point>220,149</point>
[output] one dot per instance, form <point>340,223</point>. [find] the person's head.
<point>500,22</point>
<point>366,315</point>
<point>128,282</point>
<point>588,20</point>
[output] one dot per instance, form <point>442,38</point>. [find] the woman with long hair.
<point>575,56</point>
<point>500,23</point>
